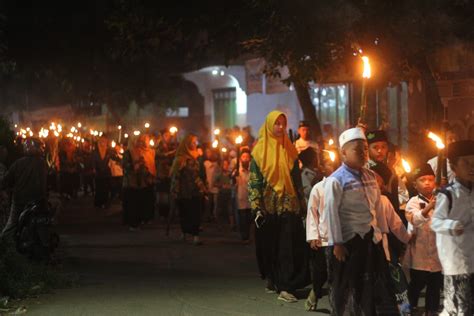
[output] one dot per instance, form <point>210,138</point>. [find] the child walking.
<point>452,222</point>
<point>422,255</point>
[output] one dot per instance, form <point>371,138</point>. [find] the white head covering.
<point>351,134</point>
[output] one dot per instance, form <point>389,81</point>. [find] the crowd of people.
<point>350,217</point>
<point>370,225</point>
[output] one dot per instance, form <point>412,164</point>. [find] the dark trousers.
<point>362,280</point>
<point>116,187</point>
<point>282,251</point>
<point>102,191</point>
<point>319,270</point>
<point>88,183</point>
<point>266,246</point>
<point>433,282</point>
<point>68,183</point>
<point>190,215</point>
<point>245,221</point>
<point>138,205</point>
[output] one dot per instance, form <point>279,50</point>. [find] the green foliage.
<point>6,134</point>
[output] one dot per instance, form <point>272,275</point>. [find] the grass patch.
<point>21,278</point>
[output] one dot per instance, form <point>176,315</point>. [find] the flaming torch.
<point>238,141</point>
<point>442,166</point>
<point>366,74</point>
<point>406,166</point>
<point>173,130</point>
<point>332,156</point>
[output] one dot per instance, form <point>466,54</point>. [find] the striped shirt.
<point>352,204</point>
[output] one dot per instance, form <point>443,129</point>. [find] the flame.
<point>224,150</point>
<point>173,129</point>
<point>436,139</point>
<point>56,134</point>
<point>113,144</point>
<point>79,125</point>
<point>147,125</point>
<point>406,166</point>
<point>217,131</point>
<point>367,70</point>
<point>119,127</point>
<point>121,150</point>
<point>152,143</point>
<point>239,139</point>
<point>332,155</point>
<point>136,133</point>
<point>215,143</point>
<point>331,142</point>
<point>125,135</point>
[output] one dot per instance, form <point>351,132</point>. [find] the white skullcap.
<point>351,134</point>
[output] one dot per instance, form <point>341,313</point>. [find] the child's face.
<point>225,165</point>
<point>464,168</point>
<point>245,160</point>
<point>355,153</point>
<point>425,185</point>
<point>378,151</point>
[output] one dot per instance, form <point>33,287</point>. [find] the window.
<point>177,112</point>
<point>332,104</point>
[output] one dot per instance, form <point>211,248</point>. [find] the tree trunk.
<point>435,108</point>
<point>309,111</point>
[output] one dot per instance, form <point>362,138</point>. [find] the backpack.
<point>445,191</point>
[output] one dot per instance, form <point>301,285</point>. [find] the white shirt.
<point>242,189</point>
<point>433,162</point>
<point>422,254</point>
<point>456,253</point>
<point>302,144</point>
<point>352,201</point>
<point>393,223</point>
<point>212,170</point>
<point>316,221</point>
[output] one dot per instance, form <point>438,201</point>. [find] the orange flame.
<point>367,70</point>
<point>332,155</point>
<point>406,166</point>
<point>436,139</point>
<point>239,139</point>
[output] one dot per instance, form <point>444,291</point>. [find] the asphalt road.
<point>148,273</point>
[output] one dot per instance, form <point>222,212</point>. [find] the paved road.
<point>147,273</point>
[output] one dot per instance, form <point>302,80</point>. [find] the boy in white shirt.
<point>422,256</point>
<point>316,236</point>
<point>352,205</point>
<point>452,222</point>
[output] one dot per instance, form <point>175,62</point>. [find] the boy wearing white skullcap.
<point>355,223</point>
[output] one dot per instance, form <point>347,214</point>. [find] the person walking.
<point>187,187</point>
<point>275,195</point>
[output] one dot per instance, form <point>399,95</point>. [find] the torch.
<point>441,159</point>
<point>238,141</point>
<point>174,133</point>
<point>120,133</point>
<point>406,166</point>
<point>332,156</point>
<point>366,74</point>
